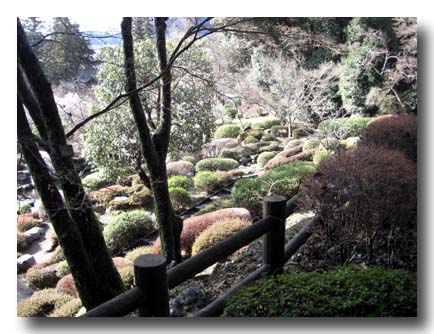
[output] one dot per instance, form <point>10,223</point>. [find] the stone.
<point>210,270</point>
<point>24,262</point>
<point>34,233</point>
<point>189,301</point>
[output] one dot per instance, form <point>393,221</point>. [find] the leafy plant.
<point>179,197</point>
<point>180,181</point>
<point>215,164</point>
<point>42,303</point>
<point>227,131</point>
<point>206,181</point>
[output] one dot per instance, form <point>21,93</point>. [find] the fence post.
<point>274,240</point>
<point>151,277</point>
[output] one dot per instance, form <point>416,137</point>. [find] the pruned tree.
<point>74,221</point>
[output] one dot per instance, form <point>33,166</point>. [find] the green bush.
<point>42,303</point>
<point>279,131</point>
<point>126,228</point>
<point>139,197</point>
<point>272,146</point>
<point>215,164</point>
<point>268,137</point>
<point>237,153</point>
<point>63,269</point>
<point>189,158</point>
<point>227,131</point>
<point>264,157</point>
<point>301,132</point>
<point>266,123</point>
<point>283,180</point>
<point>131,255</point>
<point>221,203</point>
<point>69,309</point>
<point>293,143</point>
<point>347,292</point>
<point>350,142</point>
<point>41,278</point>
<point>250,140</point>
<point>96,180</point>
<point>253,147</point>
<point>217,232</point>
<point>310,144</point>
<point>330,144</point>
<point>127,276</point>
<point>206,181</point>
<point>343,127</point>
<point>257,133</point>
<point>25,208</point>
<point>319,155</point>
<point>179,197</point>
<point>180,181</point>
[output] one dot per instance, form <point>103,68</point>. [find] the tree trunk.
<point>77,203</point>
<point>154,148</point>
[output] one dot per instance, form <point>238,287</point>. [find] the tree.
<point>74,220</point>
<point>63,51</point>
<point>142,28</point>
<point>111,141</point>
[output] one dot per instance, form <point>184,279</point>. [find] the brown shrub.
<point>367,200</point>
<point>22,242</point>
<point>69,309</point>
<point>105,195</point>
<point>281,160</point>
<point>396,132</point>
<point>42,303</point>
<point>41,278</point>
<point>193,226</point>
<point>180,168</point>
<point>227,178</point>
<point>66,285</point>
<point>121,262</point>
<point>26,221</point>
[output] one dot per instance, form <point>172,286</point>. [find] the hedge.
<point>42,303</point>
<point>180,181</point>
<point>215,164</point>
<point>227,131</point>
<point>343,127</point>
<point>206,181</point>
<point>347,292</point>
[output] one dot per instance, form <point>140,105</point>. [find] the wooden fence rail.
<point>153,282</point>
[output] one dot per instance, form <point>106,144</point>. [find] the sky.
<point>90,23</point>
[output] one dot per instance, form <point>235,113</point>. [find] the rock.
<point>245,161</point>
<point>189,301</point>
<point>210,270</point>
<point>24,262</point>
<point>34,233</point>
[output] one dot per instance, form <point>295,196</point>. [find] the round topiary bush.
<point>66,285</point>
<point>127,276</point>
<point>179,197</point>
<point>25,208</point>
<point>264,157</point>
<point>69,309</point>
<point>396,132</point>
<point>22,242</point>
<point>62,269</point>
<point>41,278</point>
<point>189,158</point>
<point>215,164</point>
<point>126,228</point>
<point>343,127</point>
<point>310,144</point>
<point>350,142</point>
<point>272,146</point>
<point>193,226</point>
<point>185,168</point>
<point>221,203</point>
<point>96,180</point>
<point>319,155</point>
<point>131,255</point>
<point>227,131</point>
<point>293,143</point>
<point>180,181</point>
<point>206,181</point>
<point>367,199</point>
<point>237,153</point>
<point>217,232</point>
<point>266,123</point>
<point>250,140</point>
<point>26,221</point>
<point>42,303</point>
<point>268,137</point>
<point>347,292</point>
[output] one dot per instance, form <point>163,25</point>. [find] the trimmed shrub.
<point>272,146</point>
<point>253,147</point>
<point>42,303</point>
<point>221,230</point>
<point>56,256</point>
<point>301,133</point>
<point>215,164</point>
<point>66,285</point>
<point>217,146</point>
<point>367,200</point>
<point>189,158</point>
<point>126,228</point>
<point>347,292</point>
<point>22,243</point>
<point>105,195</point>
<point>330,144</point>
<point>250,140</point>
<point>193,226</point>
<point>319,155</point>
<point>283,180</point>
<point>180,168</point>
<point>221,203</point>
<point>310,144</point>
<point>206,181</point>
<point>69,309</point>
<point>131,255</point>
<point>179,197</point>
<point>237,153</point>
<point>26,221</point>
<point>268,137</point>
<point>266,123</point>
<point>140,197</point>
<point>279,131</point>
<point>227,178</point>
<point>180,181</point>
<point>227,131</point>
<point>395,132</point>
<point>63,269</point>
<point>293,143</point>
<point>127,276</point>
<point>264,157</point>
<point>343,127</point>
<point>350,142</point>
<point>257,133</point>
<point>96,180</point>
<point>25,208</point>
<point>38,279</point>
<point>280,160</point>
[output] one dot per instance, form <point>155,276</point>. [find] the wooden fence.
<point>153,281</point>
